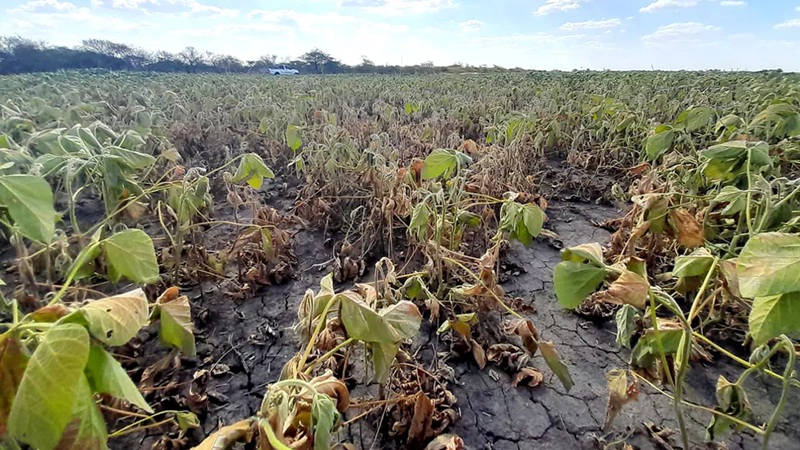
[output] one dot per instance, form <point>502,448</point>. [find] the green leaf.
<point>45,400</point>
<point>87,429</point>
<point>13,360</point>
<point>382,358</point>
<point>658,143</point>
<point>468,219</point>
<point>176,327</point>
<point>693,265</point>
<point>440,163</point>
<point>293,137</point>
<point>647,349</point>
<point>131,158</point>
<point>732,400</point>
<point>770,265</point>
<point>626,325</point>
<point>533,218</point>
<point>574,282</point>
<point>419,221</point>
<point>252,170</point>
<point>699,118</point>
<point>29,201</point>
<point>107,376</point>
<point>116,320</point>
<point>131,255</point>
<point>592,253</point>
<point>324,417</point>
<point>390,327</point>
<point>556,365</point>
<point>774,315</point>
<point>735,198</point>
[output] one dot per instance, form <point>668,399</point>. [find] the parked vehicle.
<point>282,70</point>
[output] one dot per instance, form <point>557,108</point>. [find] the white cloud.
<point>472,25</point>
<point>793,23</point>
<point>38,5</point>
<point>668,4</point>
<point>679,30</point>
<point>591,25</point>
<point>551,6</point>
<point>399,7</point>
<point>193,7</point>
<point>96,3</point>
<point>732,3</point>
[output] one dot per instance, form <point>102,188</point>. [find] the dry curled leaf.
<point>527,332</point>
<point>533,376</point>
<point>446,442</point>
<point>628,289</point>
<point>478,353</point>
<point>689,230</point>
<point>225,437</point>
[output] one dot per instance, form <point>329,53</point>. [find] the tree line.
<point>21,55</point>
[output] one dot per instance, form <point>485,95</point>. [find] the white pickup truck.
<point>282,70</point>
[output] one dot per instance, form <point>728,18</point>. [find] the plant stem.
<point>787,374</point>
<point>322,358</point>
<point>317,331</point>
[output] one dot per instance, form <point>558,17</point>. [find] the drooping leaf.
<point>87,429</point>
<point>29,201</point>
<point>252,170</point>
<point>655,213</point>
<point>769,265</point>
<point>116,320</point>
<point>227,436</point>
<point>699,118</point>
<point>13,360</point>
<point>533,218</point>
<point>443,163</point>
<point>626,325</point>
<point>382,357</point>
<point>131,255</point>
<point>774,315</point>
<point>658,143</point>
<point>45,400</point>
<point>575,281</point>
<point>324,417</point>
<point>107,376</point>
<point>735,198</point>
<point>131,158</point>
<point>176,328</point>
<point>421,421</point>
<point>628,289</point>
<point>558,367</point>
<point>419,221</point>
<point>693,265</point>
<point>592,253</point>
<point>620,392</point>
<point>731,400</point>
<point>647,349</point>
<point>293,139</point>
<point>364,324</point>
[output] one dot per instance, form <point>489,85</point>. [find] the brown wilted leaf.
<point>533,376</point>
<point>508,356</point>
<point>478,353</point>
<point>446,442</point>
<point>327,384</point>
<point>169,295</point>
<point>640,169</point>
<point>421,421</point>
<point>225,437</point>
<point>628,289</point>
<point>689,230</point>
<point>620,392</point>
<point>50,313</point>
<point>527,332</point>
<point>470,147</point>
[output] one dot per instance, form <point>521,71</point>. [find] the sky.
<point>534,34</point>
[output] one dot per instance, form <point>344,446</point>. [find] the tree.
<point>225,63</point>
<point>318,60</point>
<point>191,57</point>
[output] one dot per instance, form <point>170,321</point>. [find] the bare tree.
<point>191,57</point>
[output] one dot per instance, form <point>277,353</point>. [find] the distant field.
<point>541,260</point>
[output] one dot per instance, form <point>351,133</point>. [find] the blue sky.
<point>537,34</point>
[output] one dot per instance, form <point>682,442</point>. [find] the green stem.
<point>747,211</point>
<point>317,331</point>
<point>787,373</point>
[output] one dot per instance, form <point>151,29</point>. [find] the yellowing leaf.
<point>628,289</point>
<point>87,429</point>
<point>774,315</point>
<point>620,392</point>
<point>226,436</point>
<point>592,253</point>
<point>769,265</point>
<point>398,322</point>
<point>45,400</point>
<point>116,320</point>
<point>176,327</point>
